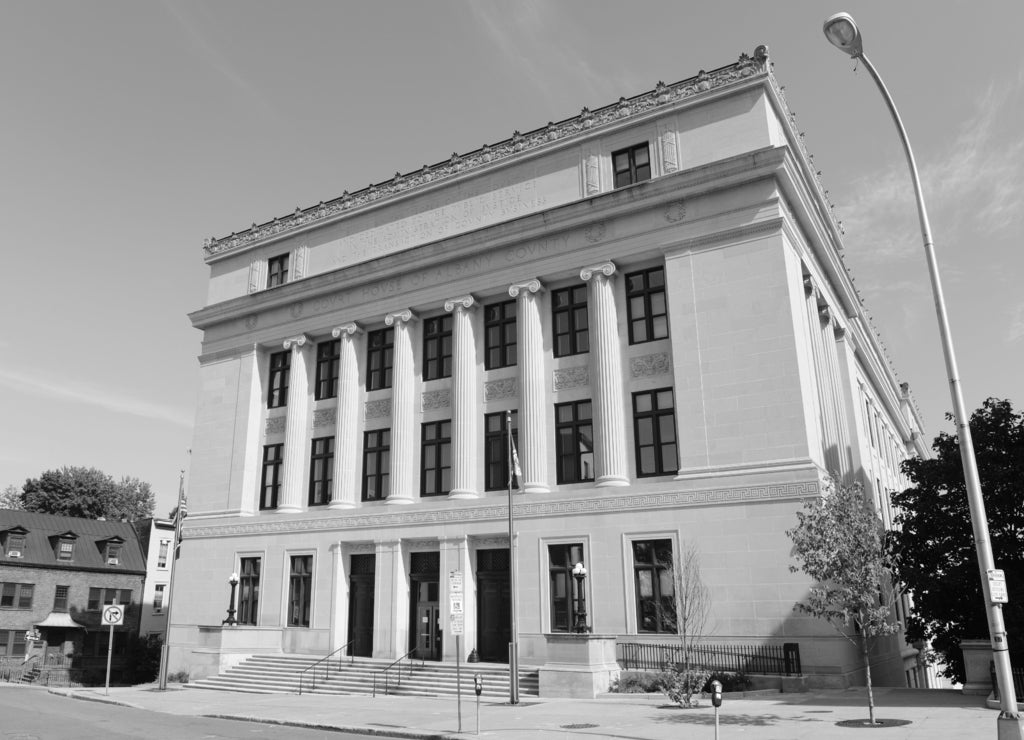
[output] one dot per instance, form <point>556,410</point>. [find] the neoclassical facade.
<point>652,295</point>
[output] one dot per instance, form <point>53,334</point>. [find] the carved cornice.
<point>524,509</point>
<point>530,286</point>
<point>605,268</point>
<point>465,301</point>
<point>405,316</point>
<point>346,330</point>
<point>487,156</point>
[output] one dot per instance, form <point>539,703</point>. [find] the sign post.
<point>457,617</point>
<point>112,615</point>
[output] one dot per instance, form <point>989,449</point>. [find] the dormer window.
<point>113,553</point>
<point>66,550</point>
<point>15,546</point>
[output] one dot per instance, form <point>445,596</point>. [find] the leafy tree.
<point>841,544</point>
<point>10,498</point>
<point>87,493</point>
<point>937,561</point>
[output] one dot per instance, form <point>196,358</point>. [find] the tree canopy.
<point>937,560</point>
<point>87,493</point>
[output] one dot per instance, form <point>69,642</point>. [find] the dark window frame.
<point>496,462</point>
<point>628,168</point>
<point>436,458</point>
<point>70,543</point>
<point>321,470</point>
<point>249,590</point>
<point>270,486</point>
<point>500,338</point>
<point>60,598</point>
<point>13,643</point>
<point>328,362</point>
<point>438,339</point>
<point>16,595</point>
<point>277,387</point>
<point>277,270</point>
<point>380,358</point>
<point>649,414</point>
<point>569,308</point>
<point>376,447</point>
<point>570,438</point>
<point>300,591</point>
<point>563,596</point>
<point>15,544</point>
<point>645,292</point>
<point>655,613</point>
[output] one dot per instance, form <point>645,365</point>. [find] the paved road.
<point>33,714</point>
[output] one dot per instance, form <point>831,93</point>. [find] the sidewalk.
<point>932,714</point>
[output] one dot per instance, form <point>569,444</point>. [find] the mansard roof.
<point>91,537</point>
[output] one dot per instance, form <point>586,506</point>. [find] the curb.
<point>70,694</point>
<point>351,729</point>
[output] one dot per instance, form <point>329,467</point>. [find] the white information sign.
<point>997,587</point>
<point>456,603</point>
<point>113,614</point>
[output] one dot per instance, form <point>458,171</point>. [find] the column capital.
<point>605,268</point>
<point>347,330</point>
<point>809,287</point>
<point>463,301</point>
<point>824,314</point>
<point>532,286</point>
<point>405,315</point>
<point>298,341</point>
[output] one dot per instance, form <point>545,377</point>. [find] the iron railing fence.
<point>781,660</point>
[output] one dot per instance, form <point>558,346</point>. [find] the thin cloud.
<point>65,390</point>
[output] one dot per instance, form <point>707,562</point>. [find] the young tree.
<point>88,493</point>
<point>841,544</point>
<point>691,607</point>
<point>10,498</point>
<point>937,561</point>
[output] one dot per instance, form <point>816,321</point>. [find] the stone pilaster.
<point>346,441</point>
<point>606,373</point>
<point>533,406</point>
<point>465,408</point>
<point>404,477</point>
<point>296,424</point>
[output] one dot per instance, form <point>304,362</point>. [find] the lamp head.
<point>233,580</point>
<point>579,571</point>
<point>842,32</point>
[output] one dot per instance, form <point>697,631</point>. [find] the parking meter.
<point>478,683</point>
<point>716,693</point>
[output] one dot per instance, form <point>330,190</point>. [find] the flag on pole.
<point>513,460</point>
<point>180,512</point>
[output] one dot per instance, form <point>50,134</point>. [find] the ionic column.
<point>830,446</point>
<point>403,411</point>
<point>346,442</point>
<point>533,409</point>
<point>464,397</point>
<point>606,364</point>
<point>296,423</point>
<point>831,330</point>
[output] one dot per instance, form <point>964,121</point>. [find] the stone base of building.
<point>977,667</point>
<point>578,666</point>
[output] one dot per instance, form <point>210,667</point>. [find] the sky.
<point>132,130</point>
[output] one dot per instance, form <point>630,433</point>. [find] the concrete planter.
<point>579,666</point>
<point>977,667</point>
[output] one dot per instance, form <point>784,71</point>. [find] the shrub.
<point>179,677</point>
<point>737,681</point>
<point>685,683</point>
<point>641,682</point>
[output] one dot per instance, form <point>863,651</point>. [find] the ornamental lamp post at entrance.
<point>842,32</point>
<point>231,621</point>
<point>579,572</point>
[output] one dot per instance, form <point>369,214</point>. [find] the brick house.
<point>56,575</point>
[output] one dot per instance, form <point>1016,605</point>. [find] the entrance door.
<point>428,643</point>
<point>494,617</point>
<point>54,655</point>
<point>360,606</point>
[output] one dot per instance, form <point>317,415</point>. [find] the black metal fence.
<point>781,660</point>
<point>1018,682</point>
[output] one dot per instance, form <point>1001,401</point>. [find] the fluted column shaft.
<point>346,442</point>
<point>533,410</point>
<point>403,390</point>
<point>464,397</point>
<point>296,422</point>
<point>606,377</point>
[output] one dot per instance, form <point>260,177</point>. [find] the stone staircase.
<point>280,674</point>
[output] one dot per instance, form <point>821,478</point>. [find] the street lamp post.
<point>231,621</point>
<point>579,572</point>
<point>842,32</point>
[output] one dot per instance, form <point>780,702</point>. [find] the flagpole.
<point>513,646</point>
<point>179,514</point>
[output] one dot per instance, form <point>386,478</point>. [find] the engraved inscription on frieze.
<point>647,365</point>
<point>571,377</point>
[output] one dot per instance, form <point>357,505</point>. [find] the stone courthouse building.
<point>652,294</point>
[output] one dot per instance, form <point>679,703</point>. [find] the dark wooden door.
<point>360,606</point>
<point>494,619</point>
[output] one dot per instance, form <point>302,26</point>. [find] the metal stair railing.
<point>386,674</point>
<point>326,666</point>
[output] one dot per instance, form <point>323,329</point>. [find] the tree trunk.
<point>867,672</point>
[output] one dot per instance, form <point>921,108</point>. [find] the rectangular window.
<point>113,554</point>
<point>574,441</point>
<point>158,597</point>
<point>569,321</point>
<point>437,347</point>
<point>655,586</point>
<point>436,457</point>
<point>65,550</point>
<point>321,469</point>
<point>106,596</point>
<point>16,595</point>
<point>161,558</point>
<point>280,367</point>
<point>248,590</point>
<point>300,590</point>
<point>564,595</point>
<point>496,451</point>
<point>273,457</point>
<point>632,165</point>
<point>95,594</point>
<point>12,643</point>
<point>15,545</point>
<point>60,599</point>
<point>500,335</point>
<point>380,358</point>
<point>328,357</point>
<point>277,270</point>
<point>654,430</point>
<point>645,302</point>
<point>376,464</point>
